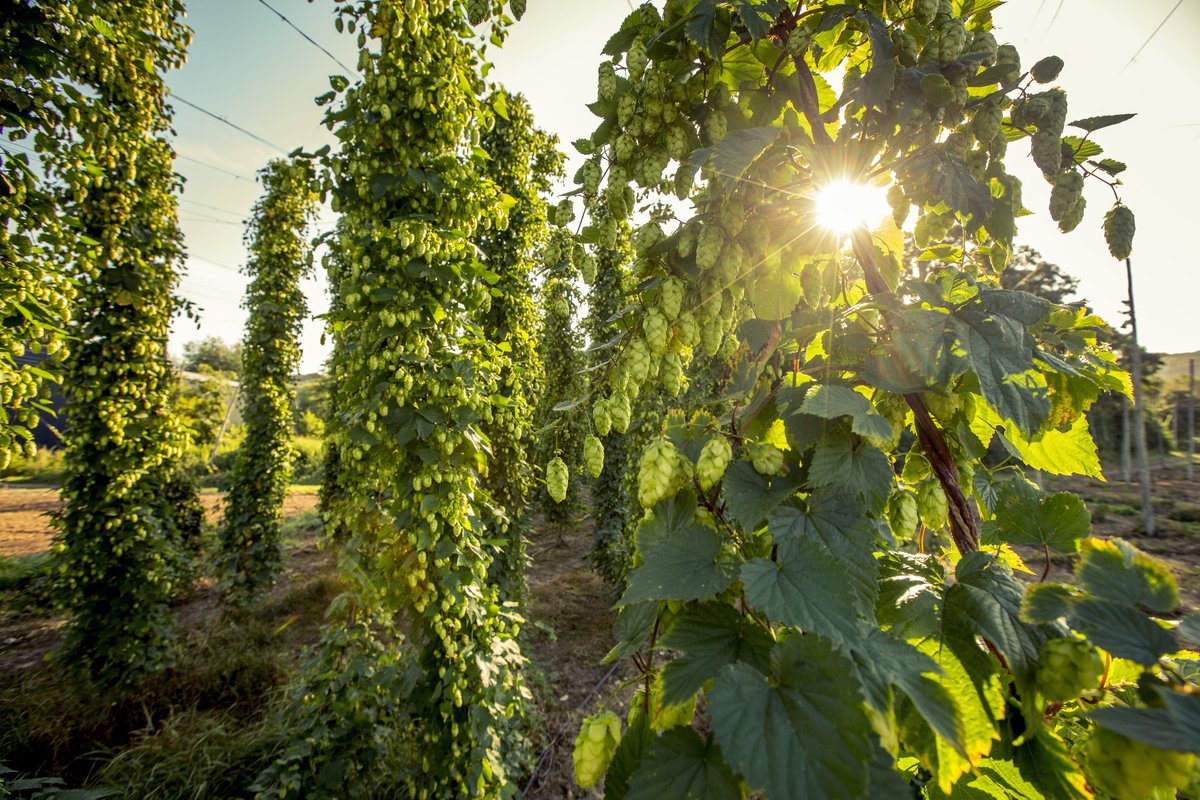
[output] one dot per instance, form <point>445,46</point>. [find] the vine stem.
<point>964,528</point>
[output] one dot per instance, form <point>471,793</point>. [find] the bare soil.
<point>25,515</point>
<point>1116,512</point>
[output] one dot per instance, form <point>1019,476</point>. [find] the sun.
<point>844,206</point>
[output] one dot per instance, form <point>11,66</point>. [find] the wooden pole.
<point>237,389</point>
<point>1139,426</point>
<point>1126,442</point>
<point>1191,423</point>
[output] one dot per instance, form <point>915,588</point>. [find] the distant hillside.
<point>1175,369</point>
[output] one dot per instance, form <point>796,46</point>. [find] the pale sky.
<point>248,66</point>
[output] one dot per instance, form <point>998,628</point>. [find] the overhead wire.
<point>307,38</point>
<point>233,125</point>
<point>1153,33</point>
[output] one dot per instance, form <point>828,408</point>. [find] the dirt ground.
<point>25,515</point>
<point>571,631</point>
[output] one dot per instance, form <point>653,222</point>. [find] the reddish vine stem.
<point>964,528</point>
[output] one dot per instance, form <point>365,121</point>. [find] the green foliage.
<point>423,710</point>
<point>119,542</point>
<point>560,348</point>
<point>522,161</point>
<point>610,284</point>
<point>214,353</point>
<point>35,295</point>
<point>280,256</point>
<point>843,649</point>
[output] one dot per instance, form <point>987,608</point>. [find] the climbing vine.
<point>280,255</point>
<point>521,162</point>
<point>414,375</point>
<point>606,271</point>
<point>560,347</point>
<point>34,294</point>
<point>790,554</point>
<point>119,542</point>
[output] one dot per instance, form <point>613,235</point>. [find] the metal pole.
<point>1139,427</point>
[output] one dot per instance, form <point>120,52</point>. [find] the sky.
<point>249,67</point>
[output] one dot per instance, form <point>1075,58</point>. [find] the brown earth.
<point>25,515</point>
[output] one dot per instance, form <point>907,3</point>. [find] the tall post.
<point>1126,442</point>
<point>1191,424</point>
<point>1139,426</point>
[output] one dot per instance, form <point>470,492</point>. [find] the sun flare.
<point>843,205</point>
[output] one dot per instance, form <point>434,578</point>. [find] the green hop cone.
<point>902,514</point>
<point>986,123</point>
<point>1047,151</point>
<point>685,175</point>
<point>711,335</point>
<point>601,417</point>
<point>1067,668</point>
<point>714,459</point>
<point>657,330</point>
<point>593,455</point>
<point>619,409</point>
<point>672,297</point>
<point>636,361</point>
<point>589,176</point>
<point>937,89</point>
<point>708,246</point>
<point>1067,191</point>
<point>676,142</point>
<point>636,59</point>
<point>670,375</point>
<point>656,472</point>
<point>767,459</point>
<point>608,81</point>
<point>1009,62</point>
<point>556,479</point>
<point>587,268</point>
<point>1047,69</point>
<point>1073,217</point>
<point>564,212</point>
<point>687,329</point>
<point>626,108</point>
<point>1119,227</point>
<point>932,504</point>
<point>925,10</point>
<point>595,745</point>
<point>1130,770</point>
<point>952,40</point>
<point>478,11</point>
<point>716,126</point>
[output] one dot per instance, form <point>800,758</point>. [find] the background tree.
<point>280,256</point>
<point>213,352</point>
<point>119,540</point>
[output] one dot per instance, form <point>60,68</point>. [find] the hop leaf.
<point>1119,227</point>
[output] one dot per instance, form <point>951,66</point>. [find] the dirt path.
<point>571,631</point>
<point>25,515</point>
